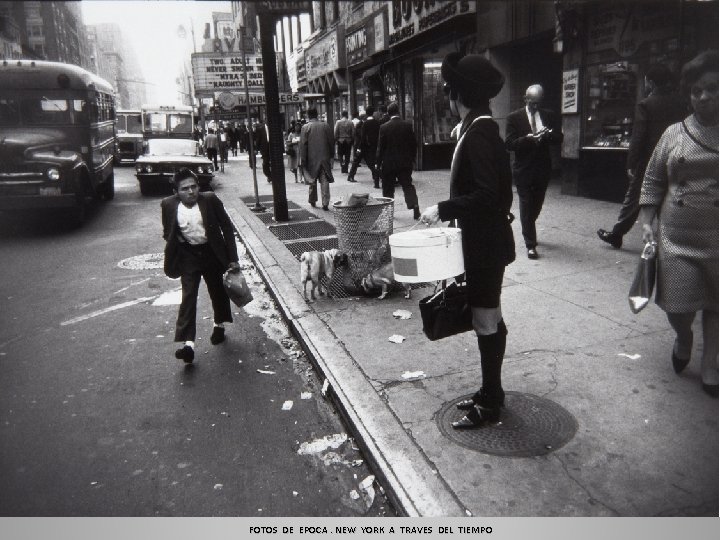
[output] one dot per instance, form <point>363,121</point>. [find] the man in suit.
<point>395,157</point>
<point>653,115</point>
<point>317,147</point>
<point>367,147</point>
<point>199,243</point>
<point>344,138</point>
<point>530,132</point>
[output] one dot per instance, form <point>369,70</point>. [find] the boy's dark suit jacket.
<point>218,228</point>
<point>532,160</point>
<point>396,145</point>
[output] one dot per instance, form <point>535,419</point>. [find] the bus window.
<point>180,123</point>
<point>9,112</point>
<point>45,111</point>
<point>134,123</point>
<point>80,111</point>
<point>156,122</point>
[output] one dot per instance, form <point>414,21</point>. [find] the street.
<point>97,417</point>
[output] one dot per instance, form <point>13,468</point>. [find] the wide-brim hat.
<point>472,74</point>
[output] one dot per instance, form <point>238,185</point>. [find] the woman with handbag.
<point>480,200</point>
<point>680,189</point>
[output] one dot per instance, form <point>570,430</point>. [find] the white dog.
<point>316,264</point>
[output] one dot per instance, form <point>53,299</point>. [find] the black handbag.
<point>446,312</point>
<point>644,281</point>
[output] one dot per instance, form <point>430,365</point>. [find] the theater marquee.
<point>217,72</point>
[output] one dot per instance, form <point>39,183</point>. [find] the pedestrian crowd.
<point>672,170</point>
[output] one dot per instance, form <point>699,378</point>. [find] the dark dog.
<point>380,278</point>
<point>316,264</point>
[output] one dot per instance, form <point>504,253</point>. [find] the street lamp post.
<point>253,158</point>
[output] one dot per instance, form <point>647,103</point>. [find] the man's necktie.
<point>533,124</point>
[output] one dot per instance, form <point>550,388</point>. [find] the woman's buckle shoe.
<point>465,404</point>
<point>478,417</point>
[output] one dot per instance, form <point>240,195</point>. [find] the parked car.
<point>163,157</point>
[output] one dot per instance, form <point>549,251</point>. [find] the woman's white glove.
<point>430,215</point>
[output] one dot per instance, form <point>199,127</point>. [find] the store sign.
<point>228,100</point>
<point>570,88</point>
<point>370,38</point>
<point>213,71</point>
<point>410,18</point>
<point>324,57</point>
<point>626,29</point>
<point>356,46</point>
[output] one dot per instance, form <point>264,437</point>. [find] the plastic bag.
<point>237,288</point>
<point>644,281</point>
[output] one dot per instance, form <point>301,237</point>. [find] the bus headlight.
<point>53,173</point>
<point>148,168</point>
<point>138,168</point>
<point>200,169</point>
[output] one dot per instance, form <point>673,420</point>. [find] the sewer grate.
<point>268,218</point>
<point>293,231</point>
<point>529,426</point>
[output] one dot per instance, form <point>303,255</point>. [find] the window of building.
<point>39,49</point>
<point>35,30</point>
<point>437,119</point>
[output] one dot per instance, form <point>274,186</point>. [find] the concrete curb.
<point>411,483</point>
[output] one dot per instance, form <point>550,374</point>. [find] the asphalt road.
<point>97,417</point>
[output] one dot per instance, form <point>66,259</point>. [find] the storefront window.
<point>611,96</point>
<point>437,120</point>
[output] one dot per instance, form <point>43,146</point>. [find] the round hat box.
<point>427,254</point>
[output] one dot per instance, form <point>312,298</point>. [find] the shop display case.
<point>612,91</point>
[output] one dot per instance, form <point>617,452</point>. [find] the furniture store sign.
<point>212,71</point>
<point>410,18</point>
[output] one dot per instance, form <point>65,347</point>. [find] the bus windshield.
<point>129,123</point>
<point>42,111</point>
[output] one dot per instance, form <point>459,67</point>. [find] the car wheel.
<point>144,187</point>
<point>108,188</point>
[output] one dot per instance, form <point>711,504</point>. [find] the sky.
<point>152,28</point>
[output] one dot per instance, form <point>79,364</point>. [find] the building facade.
<point>589,55</point>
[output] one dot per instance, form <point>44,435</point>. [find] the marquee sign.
<point>283,8</point>
<point>217,72</point>
<point>325,56</point>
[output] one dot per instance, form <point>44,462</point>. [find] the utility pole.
<point>272,100</point>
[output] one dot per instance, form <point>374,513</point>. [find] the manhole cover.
<point>148,261</point>
<point>529,426</point>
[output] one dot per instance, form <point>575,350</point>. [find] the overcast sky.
<point>152,28</point>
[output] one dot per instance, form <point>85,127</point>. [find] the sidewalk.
<point>642,440</point>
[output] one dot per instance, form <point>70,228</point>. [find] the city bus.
<point>57,137</point>
<point>167,122</point>
<point>129,135</point>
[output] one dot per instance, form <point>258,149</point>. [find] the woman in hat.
<point>480,200</point>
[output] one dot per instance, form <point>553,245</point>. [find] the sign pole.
<point>253,158</point>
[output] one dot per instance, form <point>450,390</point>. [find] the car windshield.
<point>167,147</point>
